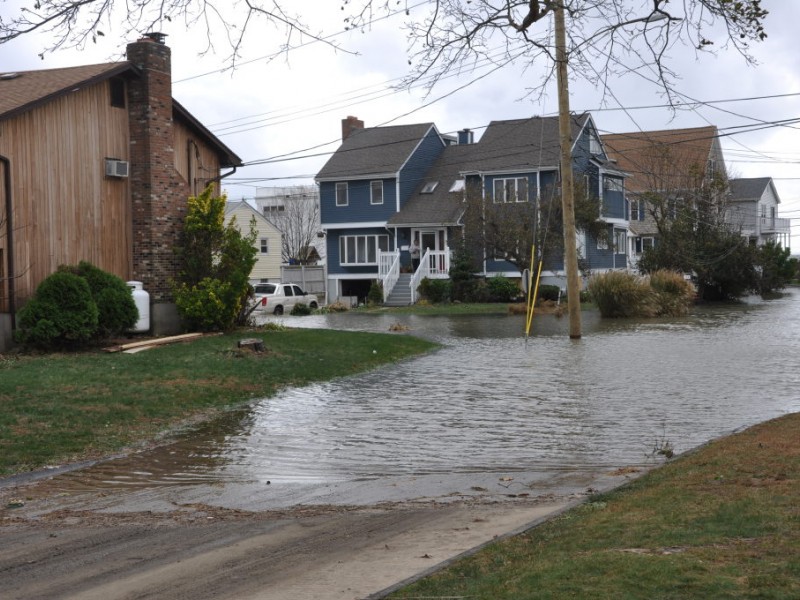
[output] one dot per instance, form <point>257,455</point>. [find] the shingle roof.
<point>20,91</point>
<point>441,207</point>
<point>748,188</point>
<point>520,144</point>
<point>651,157</point>
<point>374,151</point>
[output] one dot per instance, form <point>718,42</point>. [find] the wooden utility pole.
<point>567,186</point>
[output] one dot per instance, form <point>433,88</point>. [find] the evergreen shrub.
<point>375,294</point>
<point>61,313</point>
<point>301,309</point>
<point>502,289</point>
<point>622,294</point>
<point>435,291</point>
<point>116,307</point>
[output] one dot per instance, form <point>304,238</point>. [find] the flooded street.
<point>489,415</point>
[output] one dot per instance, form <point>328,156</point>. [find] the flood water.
<point>488,407</point>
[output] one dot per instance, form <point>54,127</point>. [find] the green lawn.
<point>63,407</point>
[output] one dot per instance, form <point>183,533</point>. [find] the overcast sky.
<point>291,105</point>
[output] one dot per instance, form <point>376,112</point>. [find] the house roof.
<point>650,157</point>
<point>232,207</point>
<point>441,206</point>
<point>21,91</point>
<point>518,145</point>
<point>750,189</point>
<point>374,151</point>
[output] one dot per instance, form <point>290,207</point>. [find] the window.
<point>511,190</point>
<point>117,89</point>
<point>362,249</point>
<point>342,196</point>
<point>273,208</point>
<point>264,245</point>
<point>612,184</point>
<point>458,185</point>
<point>620,241</point>
<point>429,187</point>
<point>602,243</point>
<point>594,144</point>
<point>376,192</point>
<point>763,211</point>
<point>637,210</point>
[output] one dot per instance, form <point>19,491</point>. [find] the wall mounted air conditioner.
<point>116,168</point>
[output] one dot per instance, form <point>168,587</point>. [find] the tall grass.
<point>623,294</point>
<point>674,295</point>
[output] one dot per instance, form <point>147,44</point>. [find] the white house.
<point>268,242</point>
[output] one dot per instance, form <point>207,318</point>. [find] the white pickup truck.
<point>280,297</point>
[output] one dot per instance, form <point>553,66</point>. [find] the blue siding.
<point>413,173</point>
<point>359,208</point>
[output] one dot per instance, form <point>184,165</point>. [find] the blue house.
<point>388,186</point>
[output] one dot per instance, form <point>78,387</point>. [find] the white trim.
<point>346,194</point>
<point>372,195</point>
<point>381,224</point>
<point>345,178</point>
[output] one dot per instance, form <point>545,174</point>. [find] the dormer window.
<point>594,144</point>
<point>429,187</point>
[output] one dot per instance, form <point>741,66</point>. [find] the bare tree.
<point>299,224</point>
<point>606,37</point>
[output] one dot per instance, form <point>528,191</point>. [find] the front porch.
<point>400,288</point>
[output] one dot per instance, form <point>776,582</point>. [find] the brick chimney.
<point>349,125</point>
<point>158,194</point>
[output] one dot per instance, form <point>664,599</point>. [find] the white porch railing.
<point>388,271</point>
<point>434,264</point>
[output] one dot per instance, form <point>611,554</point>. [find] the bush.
<point>61,313</point>
<point>375,294</point>
<point>673,294</point>
<point>301,309</point>
<point>549,292</point>
<point>116,307</point>
<point>502,289</point>
<point>211,305</point>
<point>435,291</point>
<point>622,294</point>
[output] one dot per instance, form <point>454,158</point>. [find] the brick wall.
<point>158,193</point>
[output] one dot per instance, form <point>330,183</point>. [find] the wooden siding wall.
<point>64,208</point>
<point>195,162</point>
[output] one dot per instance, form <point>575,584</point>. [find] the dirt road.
<point>198,552</point>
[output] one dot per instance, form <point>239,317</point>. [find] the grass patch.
<point>723,522</point>
<point>63,407</point>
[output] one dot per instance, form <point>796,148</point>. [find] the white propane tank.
<point>142,301</point>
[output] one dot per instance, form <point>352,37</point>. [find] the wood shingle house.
<point>96,164</point>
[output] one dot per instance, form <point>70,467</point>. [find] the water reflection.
<point>492,402</point>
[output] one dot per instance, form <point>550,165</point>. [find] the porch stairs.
<point>401,294</point>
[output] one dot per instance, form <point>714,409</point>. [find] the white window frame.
<point>613,184</point>
<point>264,245</point>
<point>594,144</point>
<point>376,186</point>
<point>357,250</point>
<point>634,209</point>
<point>620,241</point>
<point>602,243</point>
<point>648,242</point>
<point>504,187</point>
<point>341,186</point>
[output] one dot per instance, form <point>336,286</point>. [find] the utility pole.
<point>567,186</point>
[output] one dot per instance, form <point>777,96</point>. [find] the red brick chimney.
<point>158,193</point>
<point>349,125</point>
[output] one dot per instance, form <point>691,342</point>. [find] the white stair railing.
<point>423,271</point>
<point>388,271</point>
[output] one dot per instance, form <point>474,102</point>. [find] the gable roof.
<point>521,144</point>
<point>374,151</point>
<point>650,157</point>
<point>22,91</point>
<point>750,189</point>
<point>516,145</point>
<point>232,207</point>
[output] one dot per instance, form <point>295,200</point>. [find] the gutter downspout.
<point>10,237</point>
